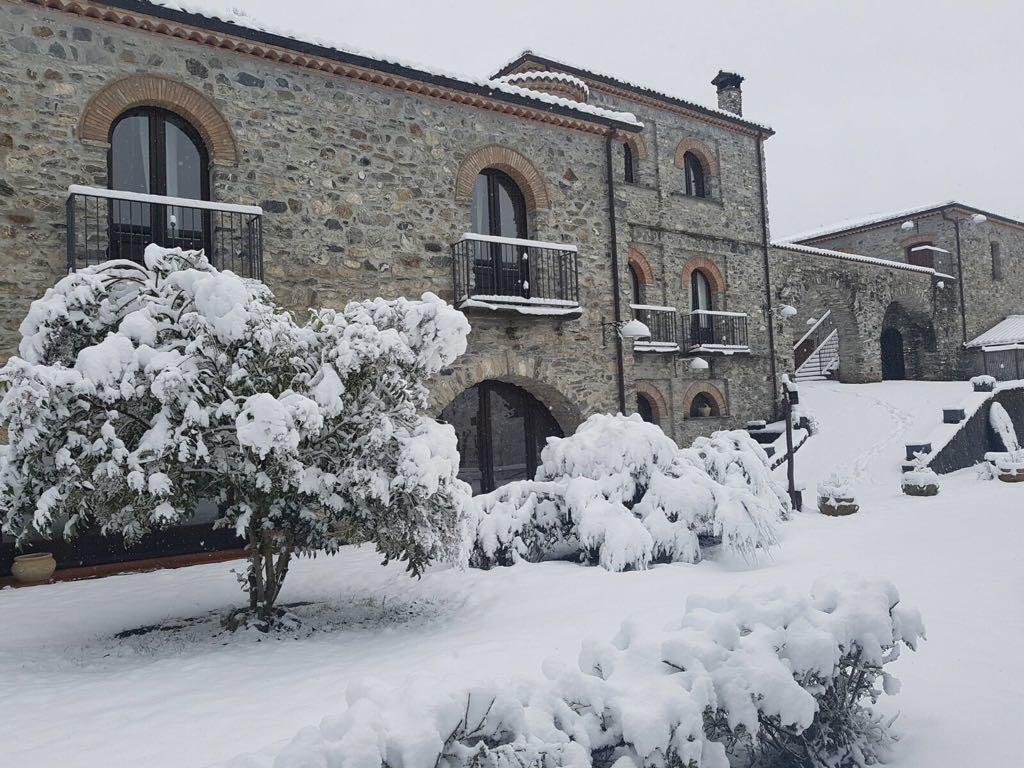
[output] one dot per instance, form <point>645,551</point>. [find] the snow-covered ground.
<point>74,695</point>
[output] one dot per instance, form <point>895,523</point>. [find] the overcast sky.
<point>877,106</point>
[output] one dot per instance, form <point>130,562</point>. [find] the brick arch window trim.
<point>711,391</point>
<point>118,97</point>
<point>641,266</point>
<point>635,143</point>
<point>657,400</point>
<point>508,160</point>
<point>710,271</point>
<point>701,151</point>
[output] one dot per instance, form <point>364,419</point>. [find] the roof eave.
<point>219,26</point>
<point>698,110</point>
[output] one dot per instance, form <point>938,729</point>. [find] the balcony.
<point>661,321</point>
<point>108,224</point>
<point>506,273</point>
<point>706,330</point>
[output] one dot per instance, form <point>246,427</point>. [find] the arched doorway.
<point>499,210</point>
<point>645,408</point>
<point>156,152</point>
<point>893,363</point>
<point>501,430</point>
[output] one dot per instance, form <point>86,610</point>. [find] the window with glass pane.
<point>694,171</point>
<point>499,209</point>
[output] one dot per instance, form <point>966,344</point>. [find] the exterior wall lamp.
<point>627,329</point>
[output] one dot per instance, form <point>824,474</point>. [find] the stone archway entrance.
<point>893,361</point>
<point>501,430</point>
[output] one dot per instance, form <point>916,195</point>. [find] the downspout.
<point>960,276</point>
<point>767,275</point>
<point>616,289</point>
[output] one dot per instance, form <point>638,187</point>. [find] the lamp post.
<point>790,397</point>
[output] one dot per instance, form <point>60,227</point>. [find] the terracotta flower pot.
<point>837,507</point>
<point>38,566</point>
<point>912,489</point>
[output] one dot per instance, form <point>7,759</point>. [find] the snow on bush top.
<point>760,672</point>
<point>836,486</point>
<point>141,388</point>
<point>1002,425</point>
<point>623,495</point>
<point>986,380</point>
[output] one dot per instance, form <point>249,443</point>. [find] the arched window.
<point>694,172</point>
<point>499,209</point>
<point>997,261</point>
<point>701,297</point>
<point>501,430</point>
<point>636,285</point>
<point>154,151</point>
<point>498,206</point>
<point>645,408</point>
<point>628,168</point>
<point>703,406</point>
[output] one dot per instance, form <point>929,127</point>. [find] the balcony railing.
<point>715,331</point>
<point>528,276</point>
<point>662,323</point>
<point>109,224</point>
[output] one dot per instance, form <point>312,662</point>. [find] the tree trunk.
<point>268,565</point>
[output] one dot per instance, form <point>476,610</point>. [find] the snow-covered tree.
<point>142,389</point>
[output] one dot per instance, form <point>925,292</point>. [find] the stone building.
<point>911,293</point>
<point>551,204</point>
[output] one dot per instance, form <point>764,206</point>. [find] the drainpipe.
<point>960,275</point>
<point>767,275</point>
<point>616,290</point>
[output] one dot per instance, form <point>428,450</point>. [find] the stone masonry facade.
<point>364,187</point>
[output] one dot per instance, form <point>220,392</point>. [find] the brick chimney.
<point>730,95</point>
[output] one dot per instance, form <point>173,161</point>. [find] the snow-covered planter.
<point>760,678</point>
<point>621,494</point>
<point>983,383</point>
<point>142,389</point>
<point>1008,465</point>
<point>835,497</point>
<point>920,482</point>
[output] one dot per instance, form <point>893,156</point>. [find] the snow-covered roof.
<point>528,56</point>
<point>812,251</point>
<point>1009,331</point>
<point>879,219</point>
<point>210,15</point>
<point>558,77</point>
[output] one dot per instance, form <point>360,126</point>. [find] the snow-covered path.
<point>865,427</point>
<point>75,696</point>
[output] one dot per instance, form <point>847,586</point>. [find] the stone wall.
<point>861,297</point>
<point>359,184</point>
<point>991,292</point>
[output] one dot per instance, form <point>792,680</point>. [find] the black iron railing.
<point>707,328</point>
<point>108,224</point>
<point>506,270</point>
<point>663,325</point>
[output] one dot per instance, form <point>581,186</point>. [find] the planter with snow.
<point>34,568</point>
<point>920,482</point>
<point>983,383</point>
<point>1008,465</point>
<point>835,497</point>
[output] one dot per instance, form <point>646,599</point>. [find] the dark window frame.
<point>695,175</point>
<point>636,285</point>
<point>695,279</point>
<point>496,181</point>
<point>646,408</point>
<point>628,165</point>
<point>924,258</point>
<point>996,251</point>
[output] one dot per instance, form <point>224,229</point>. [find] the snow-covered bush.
<point>835,487</point>
<point>1002,425</point>
<point>142,389</point>
<point>758,678</point>
<point>621,494</point>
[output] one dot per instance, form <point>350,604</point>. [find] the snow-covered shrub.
<point>983,383</point>
<point>758,678</point>
<point>835,487</point>
<point>1002,425</point>
<point>621,494</point>
<point>142,389</point>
